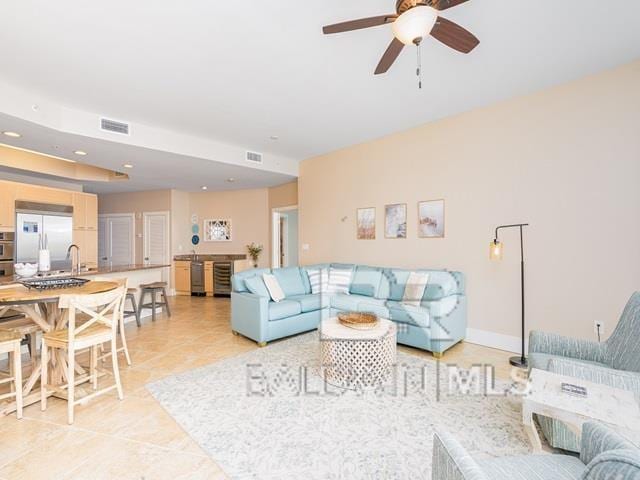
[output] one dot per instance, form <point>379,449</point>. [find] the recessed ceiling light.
<point>204,187</point>
<point>12,134</point>
<point>231,180</point>
<point>82,153</point>
<point>127,165</point>
<point>274,137</point>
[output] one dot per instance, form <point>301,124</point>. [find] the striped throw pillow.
<point>339,280</point>
<point>318,279</point>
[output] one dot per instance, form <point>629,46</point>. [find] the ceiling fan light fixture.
<point>415,23</point>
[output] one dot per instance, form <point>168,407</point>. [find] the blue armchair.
<point>615,362</point>
<point>604,455</point>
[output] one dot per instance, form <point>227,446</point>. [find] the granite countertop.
<point>210,257</point>
<point>9,279</point>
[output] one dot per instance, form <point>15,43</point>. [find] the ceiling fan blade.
<point>444,4</point>
<point>358,24</point>
<point>393,50</point>
<point>454,36</point>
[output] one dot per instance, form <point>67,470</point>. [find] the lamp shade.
<point>495,250</point>
<point>416,22</point>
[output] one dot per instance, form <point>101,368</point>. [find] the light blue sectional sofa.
<point>436,325</point>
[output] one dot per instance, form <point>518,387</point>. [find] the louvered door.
<point>156,238</point>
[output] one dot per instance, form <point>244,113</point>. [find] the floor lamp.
<point>495,253</point>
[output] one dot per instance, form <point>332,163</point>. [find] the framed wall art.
<point>217,230</point>
<point>431,219</point>
<point>366,223</point>
<point>395,220</point>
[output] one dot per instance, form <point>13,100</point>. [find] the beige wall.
<point>566,160</point>
<point>249,212</point>
<point>137,203</point>
<point>283,195</point>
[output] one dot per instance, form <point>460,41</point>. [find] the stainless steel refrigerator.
<point>37,221</point>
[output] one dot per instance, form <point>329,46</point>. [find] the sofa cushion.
<point>305,280</point>
<point>290,280</point>
<point>284,309</point>
<point>533,467</point>
<point>359,303</point>
<point>237,280</point>
<point>256,285</point>
<point>311,302</point>
<point>541,360</point>
<point>366,281</point>
<point>409,314</point>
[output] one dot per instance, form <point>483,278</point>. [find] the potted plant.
<point>254,252</point>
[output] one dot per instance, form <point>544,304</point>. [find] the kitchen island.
<point>135,274</point>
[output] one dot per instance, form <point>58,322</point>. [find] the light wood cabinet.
<point>183,277</point>
<point>87,240</point>
<point>208,278</point>
<point>91,211</point>
<point>85,211</point>
<point>36,193</point>
<point>7,205</point>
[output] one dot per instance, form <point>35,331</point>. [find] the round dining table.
<point>41,306</point>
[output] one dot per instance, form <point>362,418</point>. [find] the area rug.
<point>267,414</point>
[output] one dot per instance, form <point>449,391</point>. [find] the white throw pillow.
<point>275,290</point>
<point>414,289</point>
<point>339,280</point>
<point>318,279</point>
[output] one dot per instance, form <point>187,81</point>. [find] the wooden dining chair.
<point>10,343</point>
<point>23,325</point>
<point>103,311</point>
<point>123,282</point>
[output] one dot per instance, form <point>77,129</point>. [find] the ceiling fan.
<point>413,20</point>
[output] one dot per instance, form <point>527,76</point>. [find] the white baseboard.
<point>495,340</point>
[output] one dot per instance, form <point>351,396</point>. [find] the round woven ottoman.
<point>351,358</point>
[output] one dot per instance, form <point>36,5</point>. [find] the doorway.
<point>284,244</point>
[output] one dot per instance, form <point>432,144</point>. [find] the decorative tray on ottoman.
<point>358,320</point>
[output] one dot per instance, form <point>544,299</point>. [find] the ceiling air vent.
<point>114,126</point>
<point>254,157</point>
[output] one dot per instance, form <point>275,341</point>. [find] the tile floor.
<point>135,438</point>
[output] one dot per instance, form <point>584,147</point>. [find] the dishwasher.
<point>197,279</point>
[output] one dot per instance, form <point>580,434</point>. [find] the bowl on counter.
<point>25,269</point>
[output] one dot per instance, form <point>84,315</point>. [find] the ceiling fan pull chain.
<point>419,69</point>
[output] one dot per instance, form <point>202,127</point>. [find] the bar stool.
<point>10,343</point>
<point>154,289</point>
<point>131,296</point>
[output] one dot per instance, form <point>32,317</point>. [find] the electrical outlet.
<point>598,327</point>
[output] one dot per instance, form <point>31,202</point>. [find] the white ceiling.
<point>153,169</point>
<point>241,71</point>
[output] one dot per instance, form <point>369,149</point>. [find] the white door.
<point>156,238</point>
<point>116,239</point>
<point>121,241</point>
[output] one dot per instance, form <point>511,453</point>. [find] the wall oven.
<point>7,245</point>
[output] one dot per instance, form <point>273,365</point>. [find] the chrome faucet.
<point>76,259</point>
